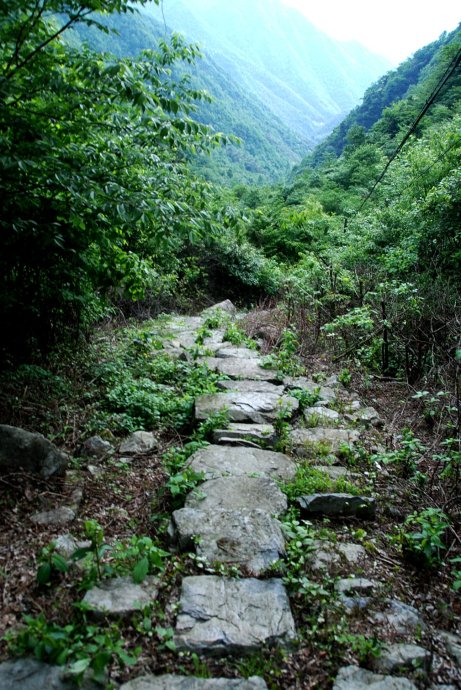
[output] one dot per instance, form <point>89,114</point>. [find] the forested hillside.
<point>276,82</point>
<point>260,495</point>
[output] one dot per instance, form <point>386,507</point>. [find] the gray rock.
<point>184,323</point>
<point>96,448</point>
<point>356,585</point>
<point>225,306</point>
<point>398,616</point>
<point>67,544</point>
<point>222,461</point>
<point>355,602</point>
<point>237,353</point>
<point>30,674</point>
<point>23,451</point>
<point>242,537</point>
<point>335,472</point>
<point>323,414</point>
<point>355,678</point>
<point>305,442</point>
<point>239,493</point>
<point>55,517</point>
<point>240,369</point>
<point>395,658</point>
<point>239,431</point>
<point>174,682</point>
<point>244,407</point>
<point>453,645</point>
<point>368,415</point>
<point>139,442</point>
<point>222,615</point>
<point>120,596</point>
<point>327,554</point>
<point>338,505</point>
<point>246,386</point>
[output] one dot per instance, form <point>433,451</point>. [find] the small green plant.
<point>282,426</point>
<point>365,648</point>
<point>182,483</point>
<point>424,546</point>
<point>285,358</point>
<point>305,397</point>
<point>345,377</point>
<point>81,646</point>
<point>309,480</point>
<point>138,557</point>
<point>236,336</point>
<point>407,457</point>
<point>50,563</point>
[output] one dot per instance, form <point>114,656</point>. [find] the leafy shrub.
<point>425,545</point>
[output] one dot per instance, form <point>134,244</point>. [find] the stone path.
<point>232,518</point>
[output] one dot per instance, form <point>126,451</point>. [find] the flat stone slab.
<point>174,682</point>
<point>120,596</point>
<point>239,431</point>
<point>327,554</point>
<point>335,472</point>
<point>321,414</point>
<point>355,678</point>
<point>56,517</point>
<point>356,585</point>
<point>338,505</point>
<point>223,615</point>
<point>30,674</point>
<point>242,537</point>
<point>453,644</point>
<point>305,442</point>
<point>250,386</point>
<point>398,616</point>
<point>238,493</point>
<point>237,353</point>
<point>244,407</point>
<point>224,461</point>
<point>398,658</point>
<point>240,368</point>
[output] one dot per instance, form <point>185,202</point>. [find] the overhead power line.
<point>443,80</point>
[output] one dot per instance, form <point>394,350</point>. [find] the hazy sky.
<point>394,28</point>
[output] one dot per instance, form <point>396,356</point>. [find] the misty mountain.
<point>276,81</point>
<point>308,80</point>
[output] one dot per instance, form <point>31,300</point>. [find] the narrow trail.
<point>235,517</point>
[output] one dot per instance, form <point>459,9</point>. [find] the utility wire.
<point>443,80</point>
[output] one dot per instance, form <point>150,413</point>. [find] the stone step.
<point>244,406</point>
<point>355,678</point>
<point>224,461</point>
<point>249,386</point>
<point>173,682</point>
<point>252,539</point>
<point>233,352</point>
<point>337,505</point>
<point>31,674</point>
<point>238,493</point>
<point>241,368</point>
<point>239,431</point>
<point>233,616</point>
<point>120,596</point>
<point>313,442</point>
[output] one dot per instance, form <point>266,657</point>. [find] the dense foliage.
<point>95,182</point>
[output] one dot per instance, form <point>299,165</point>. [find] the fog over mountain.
<point>307,79</point>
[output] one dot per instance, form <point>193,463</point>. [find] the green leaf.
<point>140,570</point>
<point>44,574</point>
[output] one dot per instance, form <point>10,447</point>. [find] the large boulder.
<point>24,451</point>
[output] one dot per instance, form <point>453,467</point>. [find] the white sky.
<point>393,28</point>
